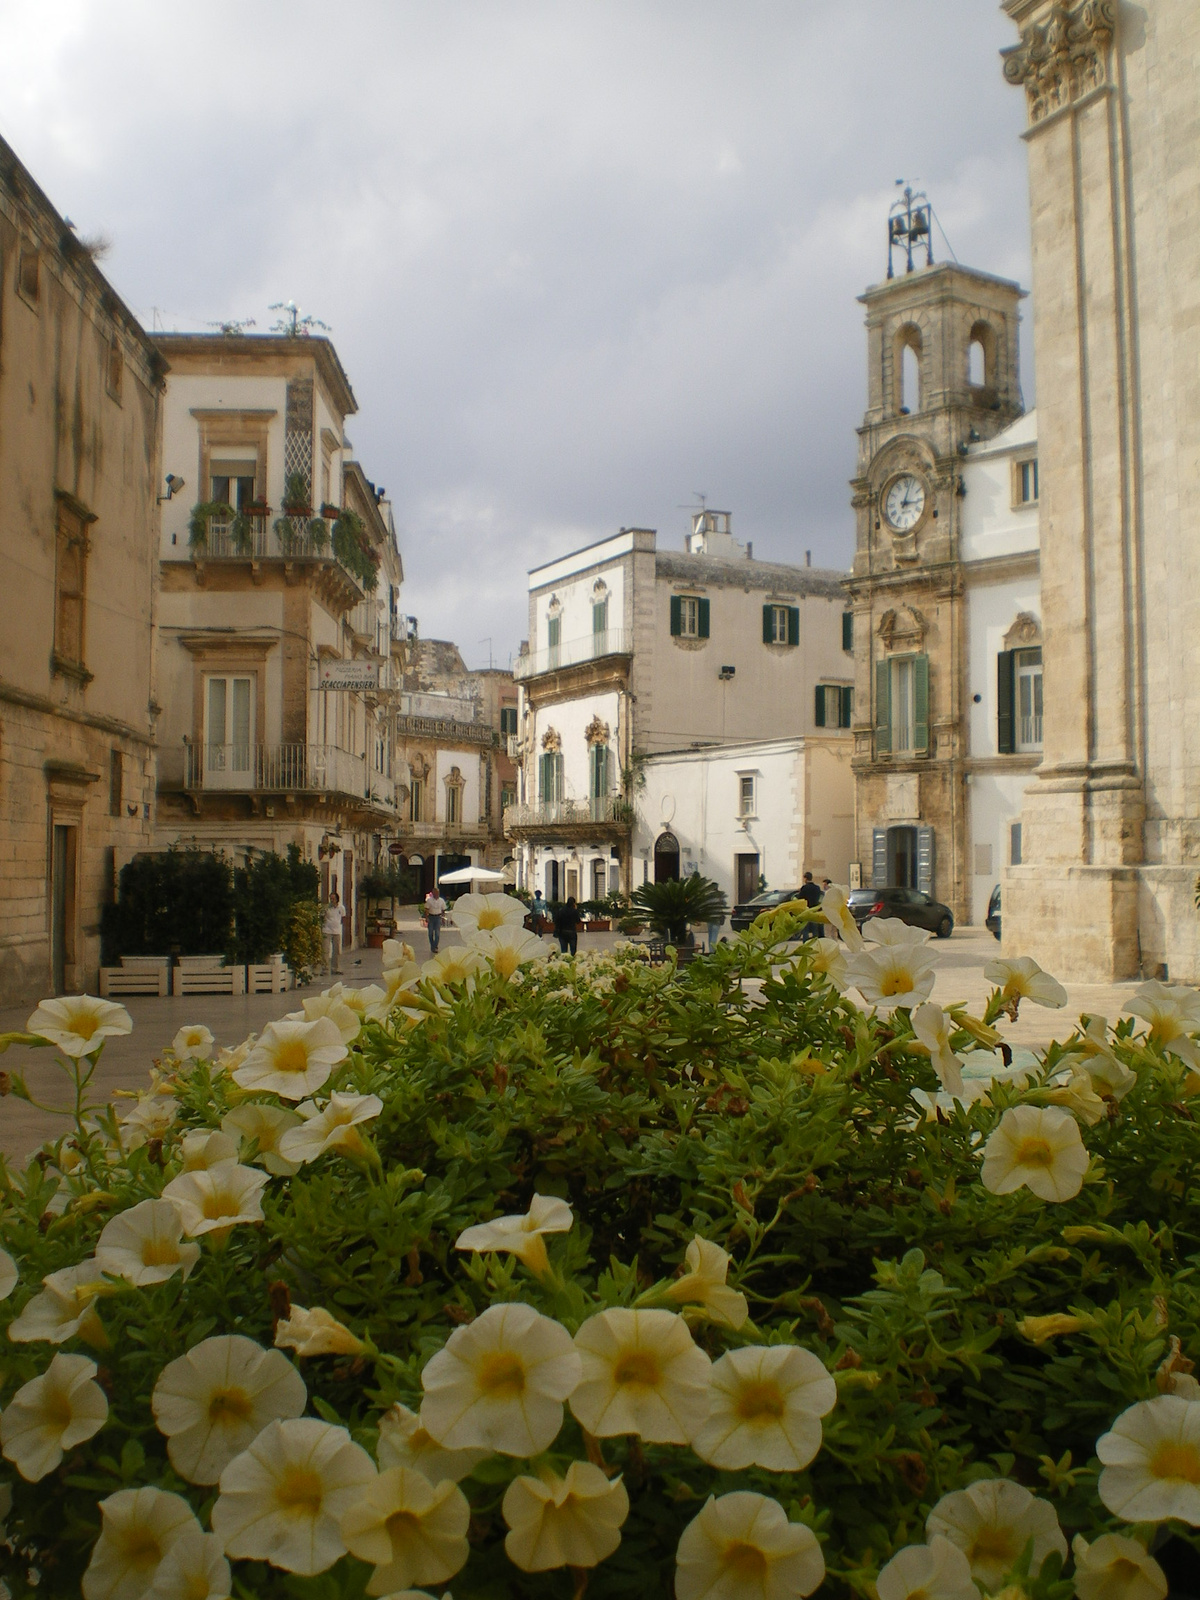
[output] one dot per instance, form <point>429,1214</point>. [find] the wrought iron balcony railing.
<point>283,768</point>
<point>591,647</point>
<point>569,813</point>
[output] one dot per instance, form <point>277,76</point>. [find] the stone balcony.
<point>574,653</point>
<point>608,820</point>
<point>280,769</point>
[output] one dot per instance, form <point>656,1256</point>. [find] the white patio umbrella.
<point>472,875</point>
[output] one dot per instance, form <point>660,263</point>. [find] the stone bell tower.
<point>942,373</point>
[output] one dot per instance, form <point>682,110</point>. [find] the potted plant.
<point>296,499</point>
<point>318,534</point>
<point>329,511</point>
<point>241,534</point>
<point>672,907</point>
<point>198,521</point>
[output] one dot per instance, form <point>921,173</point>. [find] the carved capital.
<point>1064,57</point>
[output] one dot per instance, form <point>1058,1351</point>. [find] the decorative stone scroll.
<point>552,740</point>
<point>1060,60</point>
<point>597,732</point>
<point>1025,632</point>
<point>903,629</point>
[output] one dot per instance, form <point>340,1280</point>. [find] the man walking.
<point>331,930</point>
<point>566,926</point>
<point>811,896</point>
<point>435,910</point>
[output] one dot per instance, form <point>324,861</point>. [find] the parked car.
<point>908,905</point>
<point>992,921</point>
<point>742,916</point>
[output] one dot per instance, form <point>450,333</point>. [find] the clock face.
<point>904,503</point>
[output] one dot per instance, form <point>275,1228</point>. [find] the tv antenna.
<point>909,225</point>
<point>294,322</point>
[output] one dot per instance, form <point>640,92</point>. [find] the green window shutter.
<point>847,630</point>
<point>1006,722</point>
<point>676,616</point>
<point>820,709</point>
<point>793,624</point>
<point>553,631</point>
<point>702,631</point>
<point>883,707</point>
<point>847,708</point>
<point>543,778</point>
<point>920,703</point>
<point>768,624</point>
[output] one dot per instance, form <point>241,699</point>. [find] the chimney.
<point>808,558</point>
<point>749,549</point>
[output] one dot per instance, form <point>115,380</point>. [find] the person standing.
<point>435,910</point>
<point>331,932</point>
<point>566,926</point>
<point>811,896</point>
<point>538,912</point>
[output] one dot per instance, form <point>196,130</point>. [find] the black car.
<point>742,916</point>
<point>908,905</point>
<point>992,921</point>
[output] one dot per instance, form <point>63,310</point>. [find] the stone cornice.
<point>11,695</point>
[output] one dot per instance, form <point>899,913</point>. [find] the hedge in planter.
<point>540,1276</point>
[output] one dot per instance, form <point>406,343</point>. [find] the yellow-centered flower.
<point>1020,978</point>
<point>742,1547</point>
<point>1035,1147</point>
<point>334,1128</point>
<point>935,1571</point>
<point>316,1333</point>
<point>52,1414</point>
<point>766,1405</point>
<point>704,1283</point>
<point>642,1373</point>
<point>992,1521</point>
<point>213,1402</point>
<point>145,1244</point>
<point>480,913</point>
<point>1151,1461</point>
<point>79,1023</point>
<point>403,1442</point>
<point>139,1529</point>
<point>292,1059</point>
<point>194,1042</point>
<point>217,1199</point>
<point>411,1530</point>
<point>573,1521</point>
<point>521,1235</point>
<point>265,1125</point>
<point>1116,1568</point>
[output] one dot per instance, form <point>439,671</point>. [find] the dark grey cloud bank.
<point>579,259</point>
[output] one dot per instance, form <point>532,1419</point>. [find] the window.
<point>553,638</point>
<point>689,616</point>
<point>508,721</point>
<point>1028,672</point>
<point>835,705</point>
<point>232,483</point>
<point>600,618</point>
<point>115,775</point>
<point>848,631</point>
<point>229,728</point>
<point>1027,482</point>
<point>599,761</point>
<point>781,624</point>
<point>115,369</point>
<point>902,705</point>
<point>70,583</point>
<point>550,777</point>
<point>747,794</point>
<point>416,800</point>
<point>508,796</point>
<point>29,272</point>
<point>454,804</point>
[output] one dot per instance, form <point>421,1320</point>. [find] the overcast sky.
<point>581,260</point>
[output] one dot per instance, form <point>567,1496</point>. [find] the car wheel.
<point>945,927</point>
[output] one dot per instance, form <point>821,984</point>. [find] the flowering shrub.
<point>533,1276</point>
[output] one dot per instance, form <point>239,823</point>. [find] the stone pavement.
<point>126,1061</point>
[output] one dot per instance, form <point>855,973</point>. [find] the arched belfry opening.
<point>981,356</point>
<point>908,350</point>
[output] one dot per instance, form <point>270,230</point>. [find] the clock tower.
<point>942,374</point>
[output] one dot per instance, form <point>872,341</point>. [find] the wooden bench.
<point>117,981</point>
<point>208,980</point>
<point>268,977</point>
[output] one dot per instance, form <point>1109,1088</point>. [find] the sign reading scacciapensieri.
<point>360,676</point>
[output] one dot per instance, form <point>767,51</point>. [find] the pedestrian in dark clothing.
<point>811,896</point>
<point>566,926</point>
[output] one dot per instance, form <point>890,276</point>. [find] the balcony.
<point>513,746</point>
<point>249,538</point>
<point>282,769</point>
<point>574,652</point>
<point>609,815</point>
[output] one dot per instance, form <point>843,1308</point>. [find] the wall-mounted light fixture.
<point>174,485</point>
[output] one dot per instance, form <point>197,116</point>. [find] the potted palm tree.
<point>672,907</point>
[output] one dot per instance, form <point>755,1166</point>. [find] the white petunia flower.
<point>265,1125</point>
<point>500,1382</point>
<point>204,1147</point>
<point>1020,978</point>
<point>192,1569</point>
<point>79,1023</point>
<point>52,1414</point>
<point>933,1028</point>
<point>704,1282</point>
<point>521,1235</point>
<point>835,904</point>
<point>334,1128</point>
<point>573,1521</point>
<point>766,1405</point>
<point>363,1001</point>
<point>479,913</point>
<point>1151,1460</point>
<point>292,1059</point>
<point>64,1308</point>
<point>9,1276</point>
<point>509,948</point>
<point>642,1373</point>
<point>139,1528</point>
<point>149,1118</point>
<point>453,966</point>
<point>1173,1014</point>
<point>194,1041</point>
<point>892,975</point>
<point>411,1530</point>
<point>828,956</point>
<point>229,1059</point>
<point>217,1199</point>
<point>1078,1096</point>
<point>1100,1061</point>
<point>992,1521</point>
<point>742,1547</point>
<point>347,1021</point>
<point>403,1442</point>
<point>1116,1568</point>
<point>316,1333</point>
<point>283,1498</point>
<point>1035,1147</point>
<point>144,1244</point>
<point>890,930</point>
<point>212,1402</point>
<point>935,1571</point>
<point>396,953</point>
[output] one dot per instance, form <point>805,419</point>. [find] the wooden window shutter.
<point>847,708</point>
<point>676,616</point>
<point>820,710</point>
<point>1006,722</point>
<point>793,624</point>
<point>921,703</point>
<point>847,630</point>
<point>768,624</point>
<point>879,858</point>
<point>883,707</point>
<point>702,629</point>
<point>925,854</point>
<point>543,778</point>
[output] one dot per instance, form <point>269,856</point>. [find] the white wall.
<point>576,595</point>
<point>991,611</point>
<point>994,804</point>
<point>468,763</point>
<point>570,720</point>
<point>991,524</point>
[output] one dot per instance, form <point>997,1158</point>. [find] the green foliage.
<point>198,521</point>
<point>265,891</point>
<point>673,906</point>
<point>391,882</point>
<point>296,494</point>
<point>302,941</point>
<point>353,549</point>
<point>771,1117</point>
<point>179,902</point>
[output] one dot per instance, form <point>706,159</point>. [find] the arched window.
<point>976,365</point>
<point>907,369</point>
<point>981,357</point>
<point>666,858</point>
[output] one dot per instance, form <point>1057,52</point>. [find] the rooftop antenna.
<point>232,329</point>
<point>488,642</point>
<point>909,224</point>
<point>295,323</point>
